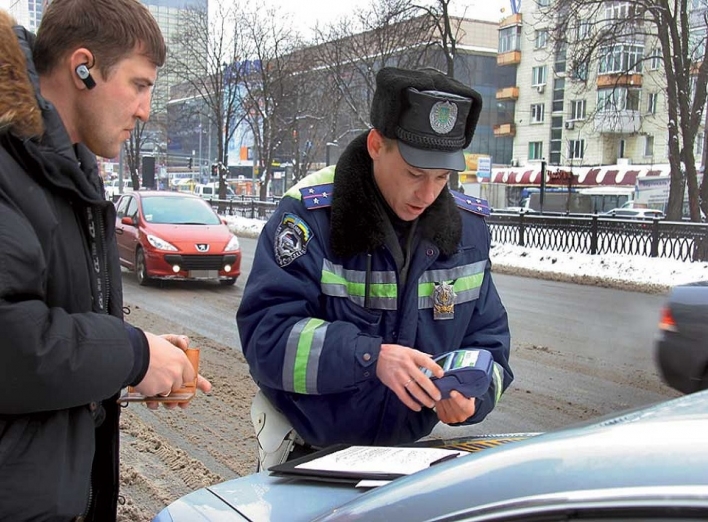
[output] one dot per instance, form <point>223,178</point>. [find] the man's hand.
<point>457,408</point>
<point>169,368</point>
<point>398,367</point>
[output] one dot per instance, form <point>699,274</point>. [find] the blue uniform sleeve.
<point>285,337</point>
<point>489,330</point>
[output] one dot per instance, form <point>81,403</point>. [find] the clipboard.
<point>425,457</point>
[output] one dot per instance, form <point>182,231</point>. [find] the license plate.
<point>204,274</point>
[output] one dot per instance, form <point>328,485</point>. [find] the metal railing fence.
<point>587,234</point>
<point>591,234</point>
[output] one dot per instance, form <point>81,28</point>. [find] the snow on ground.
<point>638,273</point>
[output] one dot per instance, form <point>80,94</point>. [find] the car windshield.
<point>178,211</point>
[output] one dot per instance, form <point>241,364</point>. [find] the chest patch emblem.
<point>291,239</point>
<point>443,301</point>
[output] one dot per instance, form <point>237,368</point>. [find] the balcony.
<point>505,129</point>
<point>508,93</point>
<point>617,122</point>
<point>514,19</point>
<point>509,58</point>
<point>618,80</point>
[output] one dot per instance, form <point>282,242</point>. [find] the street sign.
<point>484,167</point>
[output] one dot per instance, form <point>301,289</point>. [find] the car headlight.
<point>233,245</point>
<point>160,244</point>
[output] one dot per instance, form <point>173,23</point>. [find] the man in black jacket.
<point>65,351</point>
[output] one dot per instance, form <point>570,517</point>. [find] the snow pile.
<point>638,273</point>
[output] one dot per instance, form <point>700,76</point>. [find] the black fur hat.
<point>432,116</point>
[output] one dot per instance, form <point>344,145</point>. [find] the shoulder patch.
<point>471,204</point>
<point>291,239</point>
<point>317,196</point>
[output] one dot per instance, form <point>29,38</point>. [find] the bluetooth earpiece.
<point>83,73</point>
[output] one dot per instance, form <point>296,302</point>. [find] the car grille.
<point>200,262</point>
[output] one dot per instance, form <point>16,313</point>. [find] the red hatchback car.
<point>173,235</point>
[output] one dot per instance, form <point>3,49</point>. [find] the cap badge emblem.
<point>443,116</point>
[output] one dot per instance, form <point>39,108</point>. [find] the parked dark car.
<point>644,465</point>
<point>173,235</point>
<point>682,343</point>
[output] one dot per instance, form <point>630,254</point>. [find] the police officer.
<point>368,269</point>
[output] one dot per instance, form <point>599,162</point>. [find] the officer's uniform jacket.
<point>310,341</point>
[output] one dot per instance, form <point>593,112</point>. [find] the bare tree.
<point>267,97</point>
<point>145,133</point>
<point>209,63</point>
<point>402,33</point>
<point>621,36</point>
<point>132,148</point>
<point>351,51</point>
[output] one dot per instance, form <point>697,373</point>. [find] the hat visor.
<point>432,159</point>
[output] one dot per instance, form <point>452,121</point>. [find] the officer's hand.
<point>457,408</point>
<point>398,367</point>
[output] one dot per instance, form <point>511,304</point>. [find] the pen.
<point>445,458</point>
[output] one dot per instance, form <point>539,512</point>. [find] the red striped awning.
<point>590,178</point>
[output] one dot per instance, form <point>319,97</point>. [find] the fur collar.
<point>19,111</point>
<point>358,225</point>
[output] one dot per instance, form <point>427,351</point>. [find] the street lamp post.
<point>327,148</point>
<point>200,144</point>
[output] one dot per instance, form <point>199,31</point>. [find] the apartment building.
<point>610,111</point>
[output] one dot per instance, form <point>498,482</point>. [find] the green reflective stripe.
<point>302,355</point>
<point>498,376</point>
<point>467,279</point>
<point>337,281</point>
<point>321,177</point>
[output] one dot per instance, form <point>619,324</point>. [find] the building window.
<point>621,58</point>
<point>697,43</point>
<point>539,75</point>
<point>652,103</point>
<point>648,145</point>
<point>560,58</point>
<point>558,94</point>
<point>541,39</point>
<point>576,148</point>
<point>579,71</point>
<point>509,39</point>
<point>617,99</point>
<point>537,110</point>
<point>655,59</point>
<point>620,11</point>
<point>536,150</point>
<point>699,145</point>
<point>577,110</point>
<point>582,30</point>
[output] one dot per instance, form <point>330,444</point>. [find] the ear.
<point>80,56</point>
<point>374,143</point>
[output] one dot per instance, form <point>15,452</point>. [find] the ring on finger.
<point>407,383</point>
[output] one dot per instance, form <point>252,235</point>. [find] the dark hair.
<point>110,29</point>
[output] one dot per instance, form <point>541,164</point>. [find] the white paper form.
<point>375,459</point>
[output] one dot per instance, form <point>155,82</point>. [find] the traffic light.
<point>214,169</point>
<point>190,162</point>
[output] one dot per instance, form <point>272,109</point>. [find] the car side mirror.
<point>128,220</point>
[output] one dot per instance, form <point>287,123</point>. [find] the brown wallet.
<point>183,394</point>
